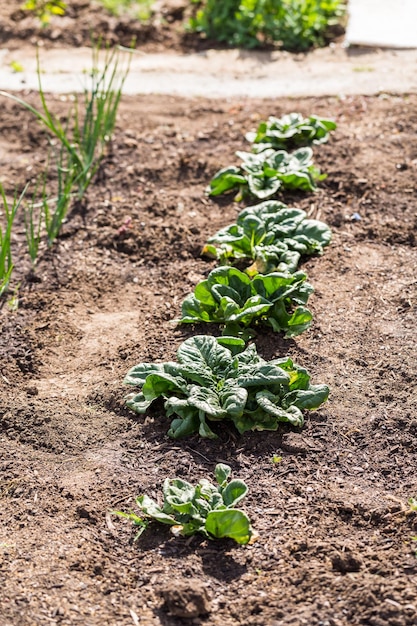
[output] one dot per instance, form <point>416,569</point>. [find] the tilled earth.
<point>336,532</point>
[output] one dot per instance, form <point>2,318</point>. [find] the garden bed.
<point>330,502</point>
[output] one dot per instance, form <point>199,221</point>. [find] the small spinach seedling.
<point>206,508</point>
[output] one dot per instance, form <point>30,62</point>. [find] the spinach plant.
<point>216,379</point>
<point>206,508</point>
<point>262,175</point>
<point>289,132</point>
<point>271,235</point>
<point>231,298</point>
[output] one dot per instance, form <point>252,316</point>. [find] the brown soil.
<point>335,545</point>
<point>166,28</point>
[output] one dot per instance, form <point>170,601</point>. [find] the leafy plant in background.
<point>136,9</point>
<point>270,234</point>
<point>231,298</point>
<point>9,212</point>
<point>293,24</point>
<point>262,175</point>
<point>44,10</point>
<point>289,132</point>
<point>206,508</point>
<point>216,379</point>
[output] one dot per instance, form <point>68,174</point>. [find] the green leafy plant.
<point>136,9</point>
<point>206,508</point>
<point>16,67</point>
<point>216,379</point>
<point>262,175</point>
<point>9,211</point>
<point>272,236</point>
<point>289,132</point>
<point>55,209</point>
<point>412,503</point>
<point>293,24</point>
<point>231,298</point>
<point>44,10</point>
<point>33,218</point>
<point>91,122</point>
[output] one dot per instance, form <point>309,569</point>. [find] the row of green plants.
<point>224,379</point>
<point>77,148</point>
<point>292,24</point>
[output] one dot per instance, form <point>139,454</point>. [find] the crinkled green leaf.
<point>234,492</point>
<point>262,186</point>
<point>263,375</point>
<point>271,404</point>
<point>160,384</point>
<point>222,473</point>
<point>137,374</point>
<point>137,402</point>
<point>192,311</point>
<point>206,400</point>
<point>203,351</point>
<point>150,508</point>
<point>183,427</point>
<point>225,180</point>
<point>229,523</point>
<point>293,323</point>
<point>309,399</point>
<point>179,496</point>
<point>262,174</point>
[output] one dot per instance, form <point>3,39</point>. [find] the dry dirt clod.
<point>186,599</point>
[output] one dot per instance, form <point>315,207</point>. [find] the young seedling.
<point>216,379</point>
<point>412,503</point>
<point>207,509</point>
<point>9,212</point>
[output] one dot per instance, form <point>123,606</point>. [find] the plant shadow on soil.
<point>335,528</point>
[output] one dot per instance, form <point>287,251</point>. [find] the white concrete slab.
<point>384,23</point>
<point>226,74</point>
